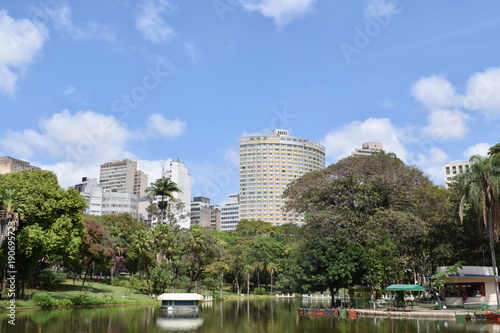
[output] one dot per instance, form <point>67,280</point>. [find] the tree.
<point>367,200</point>
<point>481,188</point>
<point>164,188</point>
<point>142,245</point>
<point>50,231</point>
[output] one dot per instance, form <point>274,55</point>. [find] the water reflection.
<point>242,316</point>
<point>179,321</point>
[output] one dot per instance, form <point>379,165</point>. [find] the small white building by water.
<point>476,282</point>
<point>180,301</point>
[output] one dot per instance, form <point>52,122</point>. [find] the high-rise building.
<point>268,163</point>
<point>9,164</point>
<point>179,174</point>
<point>215,217</point>
<point>230,213</point>
<point>123,177</point>
<point>201,212</point>
<point>368,148</point>
<point>453,169</point>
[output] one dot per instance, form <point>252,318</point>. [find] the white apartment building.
<point>179,174</point>
<point>201,212</point>
<point>230,213</point>
<point>453,169</point>
<point>268,163</point>
<point>102,201</point>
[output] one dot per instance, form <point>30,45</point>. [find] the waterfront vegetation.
<point>371,221</point>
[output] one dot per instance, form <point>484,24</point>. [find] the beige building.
<point>368,148</point>
<point>123,177</point>
<point>268,163</point>
<point>9,164</point>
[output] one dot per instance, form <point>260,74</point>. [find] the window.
<point>472,289</point>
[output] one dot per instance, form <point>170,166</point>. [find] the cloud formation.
<point>150,23</point>
<point>282,12</point>
<point>446,125</point>
<point>159,126</point>
<point>375,9</point>
<point>22,41</point>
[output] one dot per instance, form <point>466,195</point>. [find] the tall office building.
<point>179,174</point>
<point>268,163</point>
<point>123,177</point>
<point>368,148</point>
<point>230,213</point>
<point>9,164</point>
<point>201,212</point>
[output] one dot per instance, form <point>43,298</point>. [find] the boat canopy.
<point>413,287</point>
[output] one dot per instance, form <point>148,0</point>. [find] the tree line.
<point>370,221</point>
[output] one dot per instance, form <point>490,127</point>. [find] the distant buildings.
<point>230,214</point>
<point>453,169</point>
<point>201,212</point>
<point>101,201</point>
<point>9,164</point>
<point>268,163</point>
<point>367,149</point>
<point>123,177</point>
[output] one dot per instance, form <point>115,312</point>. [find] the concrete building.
<point>230,213</point>
<point>101,201</point>
<point>367,149</point>
<point>215,217</point>
<point>201,212</point>
<point>268,163</point>
<point>9,164</point>
<point>123,177</point>
<point>453,169</point>
<point>179,174</point>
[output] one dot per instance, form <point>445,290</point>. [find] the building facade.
<point>453,169</point>
<point>101,201</point>
<point>268,163</point>
<point>368,148</point>
<point>179,174</point>
<point>201,212</point>
<point>9,164</point>
<point>123,177</point>
<point>230,213</point>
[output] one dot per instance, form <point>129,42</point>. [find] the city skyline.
<point>84,83</point>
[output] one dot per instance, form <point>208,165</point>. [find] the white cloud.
<point>483,92</point>
<point>388,103</point>
<point>282,12</point>
<point>432,163</point>
<point>193,52</point>
<point>375,9</point>
<point>22,41</point>
<point>477,149</point>
<point>165,128</point>
<point>150,23</point>
<point>341,142</point>
<point>61,16</point>
<point>153,168</point>
<point>435,92</point>
<point>446,125</point>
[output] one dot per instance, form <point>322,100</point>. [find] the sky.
<point>84,83</point>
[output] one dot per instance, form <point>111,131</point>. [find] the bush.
<point>88,300</point>
<point>43,299</point>
<point>136,283</point>
<point>49,279</point>
<point>259,291</point>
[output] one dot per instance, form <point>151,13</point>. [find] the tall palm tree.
<point>164,188</point>
<point>11,204</point>
<point>481,188</point>
<point>142,246</point>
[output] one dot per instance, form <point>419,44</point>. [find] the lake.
<point>242,316</point>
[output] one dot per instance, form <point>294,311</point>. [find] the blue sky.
<point>86,82</point>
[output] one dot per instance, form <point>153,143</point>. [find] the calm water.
<point>252,316</point>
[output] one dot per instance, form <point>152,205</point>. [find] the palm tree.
<point>482,191</point>
<point>142,245</point>
<point>164,188</point>
<point>247,271</point>
<point>272,268</point>
<point>12,203</point>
